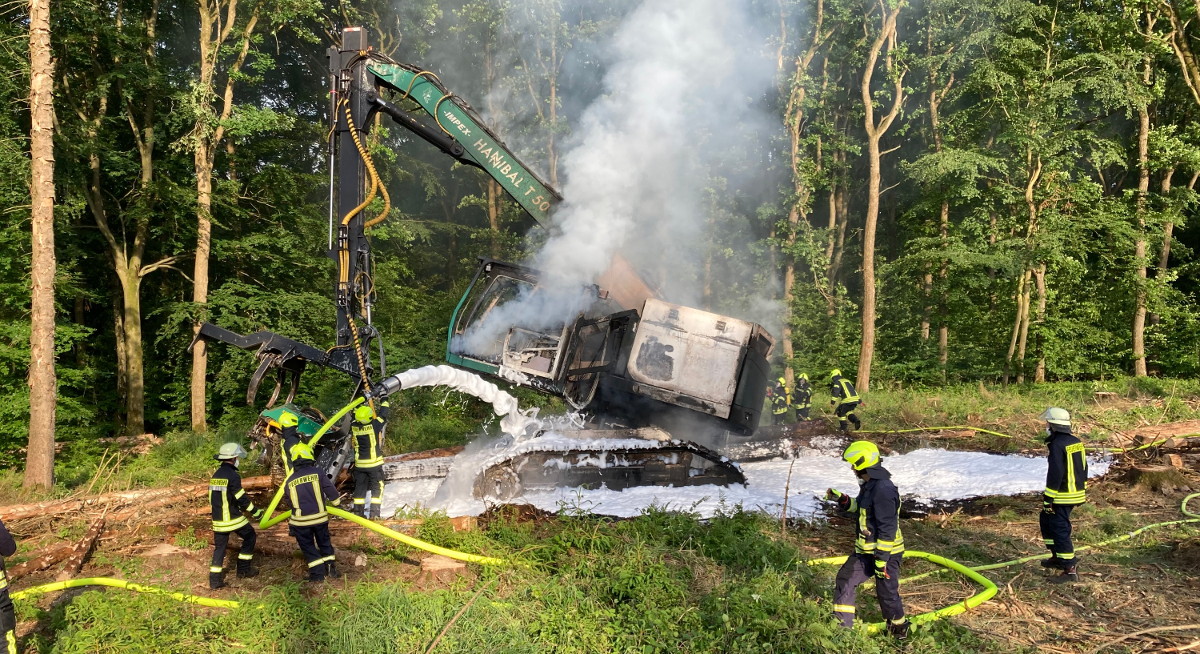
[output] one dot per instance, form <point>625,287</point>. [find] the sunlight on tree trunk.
<point>43,392</point>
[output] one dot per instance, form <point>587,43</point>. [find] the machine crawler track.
<point>614,464</point>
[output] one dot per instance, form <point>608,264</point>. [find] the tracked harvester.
<point>629,358</point>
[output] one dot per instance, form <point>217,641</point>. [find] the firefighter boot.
<point>376,513</point>
<point>216,580</point>
<point>898,630</point>
<point>245,570</point>
<point>332,571</point>
<point>1052,562</point>
<point>1070,573</point>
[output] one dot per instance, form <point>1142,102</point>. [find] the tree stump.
<point>441,569</point>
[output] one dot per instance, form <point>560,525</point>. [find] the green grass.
<point>664,582</point>
<point>1013,410</point>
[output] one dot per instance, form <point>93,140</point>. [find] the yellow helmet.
<point>364,413</point>
<point>835,373</point>
<point>288,419</point>
<point>861,454</point>
<point>804,376</point>
<point>301,450</point>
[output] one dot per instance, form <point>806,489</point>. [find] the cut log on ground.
<point>120,498</point>
<point>81,550</point>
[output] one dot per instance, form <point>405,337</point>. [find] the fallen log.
<point>81,550</point>
<point>50,557</point>
<point>141,496</point>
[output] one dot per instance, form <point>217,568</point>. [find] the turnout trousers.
<point>1056,531</point>
<point>316,546</point>
<point>858,569</point>
<point>368,480</point>
<point>8,624</point>
<point>221,542</point>
<point>845,411</point>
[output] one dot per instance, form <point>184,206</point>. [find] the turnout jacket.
<point>877,509</point>
<point>1066,474</point>
<point>368,440</point>
<point>8,547</point>
<point>780,398</point>
<point>802,396</point>
<point>308,489</point>
<point>843,390</point>
<point>228,499</point>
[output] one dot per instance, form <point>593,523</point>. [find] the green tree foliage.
<point>1008,222</point>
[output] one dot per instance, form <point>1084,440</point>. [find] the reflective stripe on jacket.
<point>877,509</point>
<point>8,547</point>
<point>1066,474</point>
<point>843,390</point>
<point>366,444</point>
<point>802,396</point>
<point>308,488</point>
<point>228,499</point>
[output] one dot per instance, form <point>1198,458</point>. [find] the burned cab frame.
<point>641,366</point>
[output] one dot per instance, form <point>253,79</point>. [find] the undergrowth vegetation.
<point>664,582</point>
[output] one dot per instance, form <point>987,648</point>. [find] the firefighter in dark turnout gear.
<point>802,397</point>
<point>289,436</point>
<point>780,398</point>
<point>308,489</point>
<point>229,501</point>
<point>1066,488</point>
<point>8,616</point>
<point>878,543</point>
<point>367,431</point>
<point>844,400</point>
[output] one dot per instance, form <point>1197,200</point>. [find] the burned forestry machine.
<point>630,360</point>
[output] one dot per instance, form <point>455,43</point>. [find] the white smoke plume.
<point>685,85</point>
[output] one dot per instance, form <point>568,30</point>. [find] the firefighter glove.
<point>1047,504</point>
<point>843,500</point>
<point>881,569</point>
<point>257,515</point>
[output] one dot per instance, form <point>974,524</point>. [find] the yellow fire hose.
<point>128,585</point>
<point>269,520</point>
<point>989,588</point>
<point>972,573</point>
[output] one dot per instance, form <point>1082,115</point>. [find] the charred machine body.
<point>627,357</point>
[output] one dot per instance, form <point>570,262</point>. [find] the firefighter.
<point>780,398</point>
<point>367,431</point>
<point>229,501</point>
<point>8,616</point>
<point>802,397</point>
<point>309,489</point>
<point>1066,488</point>
<point>878,543</point>
<point>844,400</point>
<point>289,435</point>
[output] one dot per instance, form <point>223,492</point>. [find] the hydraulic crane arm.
<point>476,144</point>
<point>357,77</point>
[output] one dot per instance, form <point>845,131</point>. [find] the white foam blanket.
<point>512,420</point>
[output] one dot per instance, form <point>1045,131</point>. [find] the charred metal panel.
<point>687,355</point>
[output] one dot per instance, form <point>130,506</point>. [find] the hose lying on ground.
<point>972,573</point>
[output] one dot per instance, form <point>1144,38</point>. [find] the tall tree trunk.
<point>944,298</point>
<point>208,133</point>
<point>798,211</point>
<point>885,44</point>
<point>1039,374</point>
<point>43,390</point>
<point>199,386</point>
<point>1022,310</point>
<point>1139,250</point>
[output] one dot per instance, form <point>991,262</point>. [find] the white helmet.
<point>1056,416</point>
<point>230,451</point>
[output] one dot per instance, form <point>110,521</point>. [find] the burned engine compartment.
<point>659,362</point>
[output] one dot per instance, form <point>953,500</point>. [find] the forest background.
<point>926,193</point>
